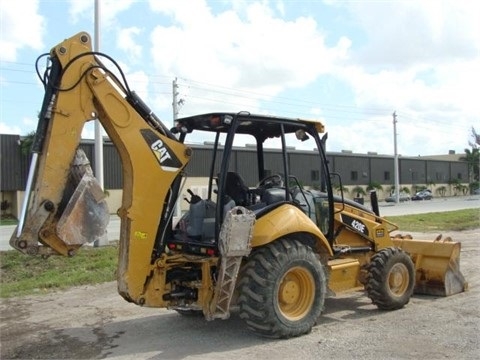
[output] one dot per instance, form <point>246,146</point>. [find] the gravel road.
<point>94,322</point>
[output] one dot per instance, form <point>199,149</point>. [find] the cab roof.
<point>263,126</point>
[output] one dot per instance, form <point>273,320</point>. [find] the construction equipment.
<point>274,250</point>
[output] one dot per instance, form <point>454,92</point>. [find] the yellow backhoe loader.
<point>272,249</point>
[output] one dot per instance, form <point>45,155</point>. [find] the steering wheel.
<point>271,181</point>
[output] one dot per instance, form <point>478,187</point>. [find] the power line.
<point>264,97</point>
<point>268,102</point>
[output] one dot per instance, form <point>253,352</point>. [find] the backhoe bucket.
<point>86,216</point>
<point>83,216</point>
<point>437,265</point>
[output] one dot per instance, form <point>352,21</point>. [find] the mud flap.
<point>437,265</point>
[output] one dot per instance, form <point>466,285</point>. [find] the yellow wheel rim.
<point>296,293</point>
<point>398,279</point>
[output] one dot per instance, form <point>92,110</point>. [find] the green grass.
<point>441,221</point>
<point>24,275</point>
<point>4,220</point>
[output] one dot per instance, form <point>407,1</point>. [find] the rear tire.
<point>390,279</point>
<point>282,290</point>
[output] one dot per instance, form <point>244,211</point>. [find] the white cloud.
<point>361,136</point>
<point>433,115</point>
<point>139,82</point>
<point>183,11</point>
<point>248,49</point>
<point>215,46</point>
<point>126,42</point>
<point>80,9</point>
<point>8,129</point>
<point>417,32</point>
<point>21,27</point>
<point>424,63</point>
<point>109,9</point>
<point>26,123</point>
<point>29,122</point>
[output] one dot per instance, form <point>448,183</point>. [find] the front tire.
<point>390,279</point>
<point>282,290</point>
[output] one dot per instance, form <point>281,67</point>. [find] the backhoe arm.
<point>65,206</point>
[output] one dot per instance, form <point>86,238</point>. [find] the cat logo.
<point>160,148</point>
<point>167,159</point>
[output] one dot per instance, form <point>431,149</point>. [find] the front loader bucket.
<point>437,265</point>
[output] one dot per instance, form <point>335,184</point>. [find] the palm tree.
<point>430,184</point>
<point>455,183</point>
<point>474,186</point>
<point>4,205</point>
<point>472,157</point>
<point>359,190</point>
<point>340,189</point>
<point>476,139</point>
<point>374,185</point>
<point>26,143</point>
<point>441,190</point>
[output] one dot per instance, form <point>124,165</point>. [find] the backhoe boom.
<point>64,204</point>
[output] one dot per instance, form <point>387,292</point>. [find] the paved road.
<point>434,205</point>
<point>386,209</point>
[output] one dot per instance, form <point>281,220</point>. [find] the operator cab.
<point>255,161</point>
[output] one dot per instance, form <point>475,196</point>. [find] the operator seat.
<point>236,188</point>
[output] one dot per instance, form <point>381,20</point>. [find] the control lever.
<point>194,198</point>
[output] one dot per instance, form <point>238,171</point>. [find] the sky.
<point>348,64</point>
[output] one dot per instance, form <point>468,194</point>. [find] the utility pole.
<point>395,159</point>
<point>175,102</point>
<point>98,145</point>
<point>98,127</point>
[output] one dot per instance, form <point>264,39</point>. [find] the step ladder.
<point>234,244</point>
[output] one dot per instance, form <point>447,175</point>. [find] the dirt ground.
<point>94,322</point>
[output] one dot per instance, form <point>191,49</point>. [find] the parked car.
<point>423,195</point>
<point>403,197</point>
